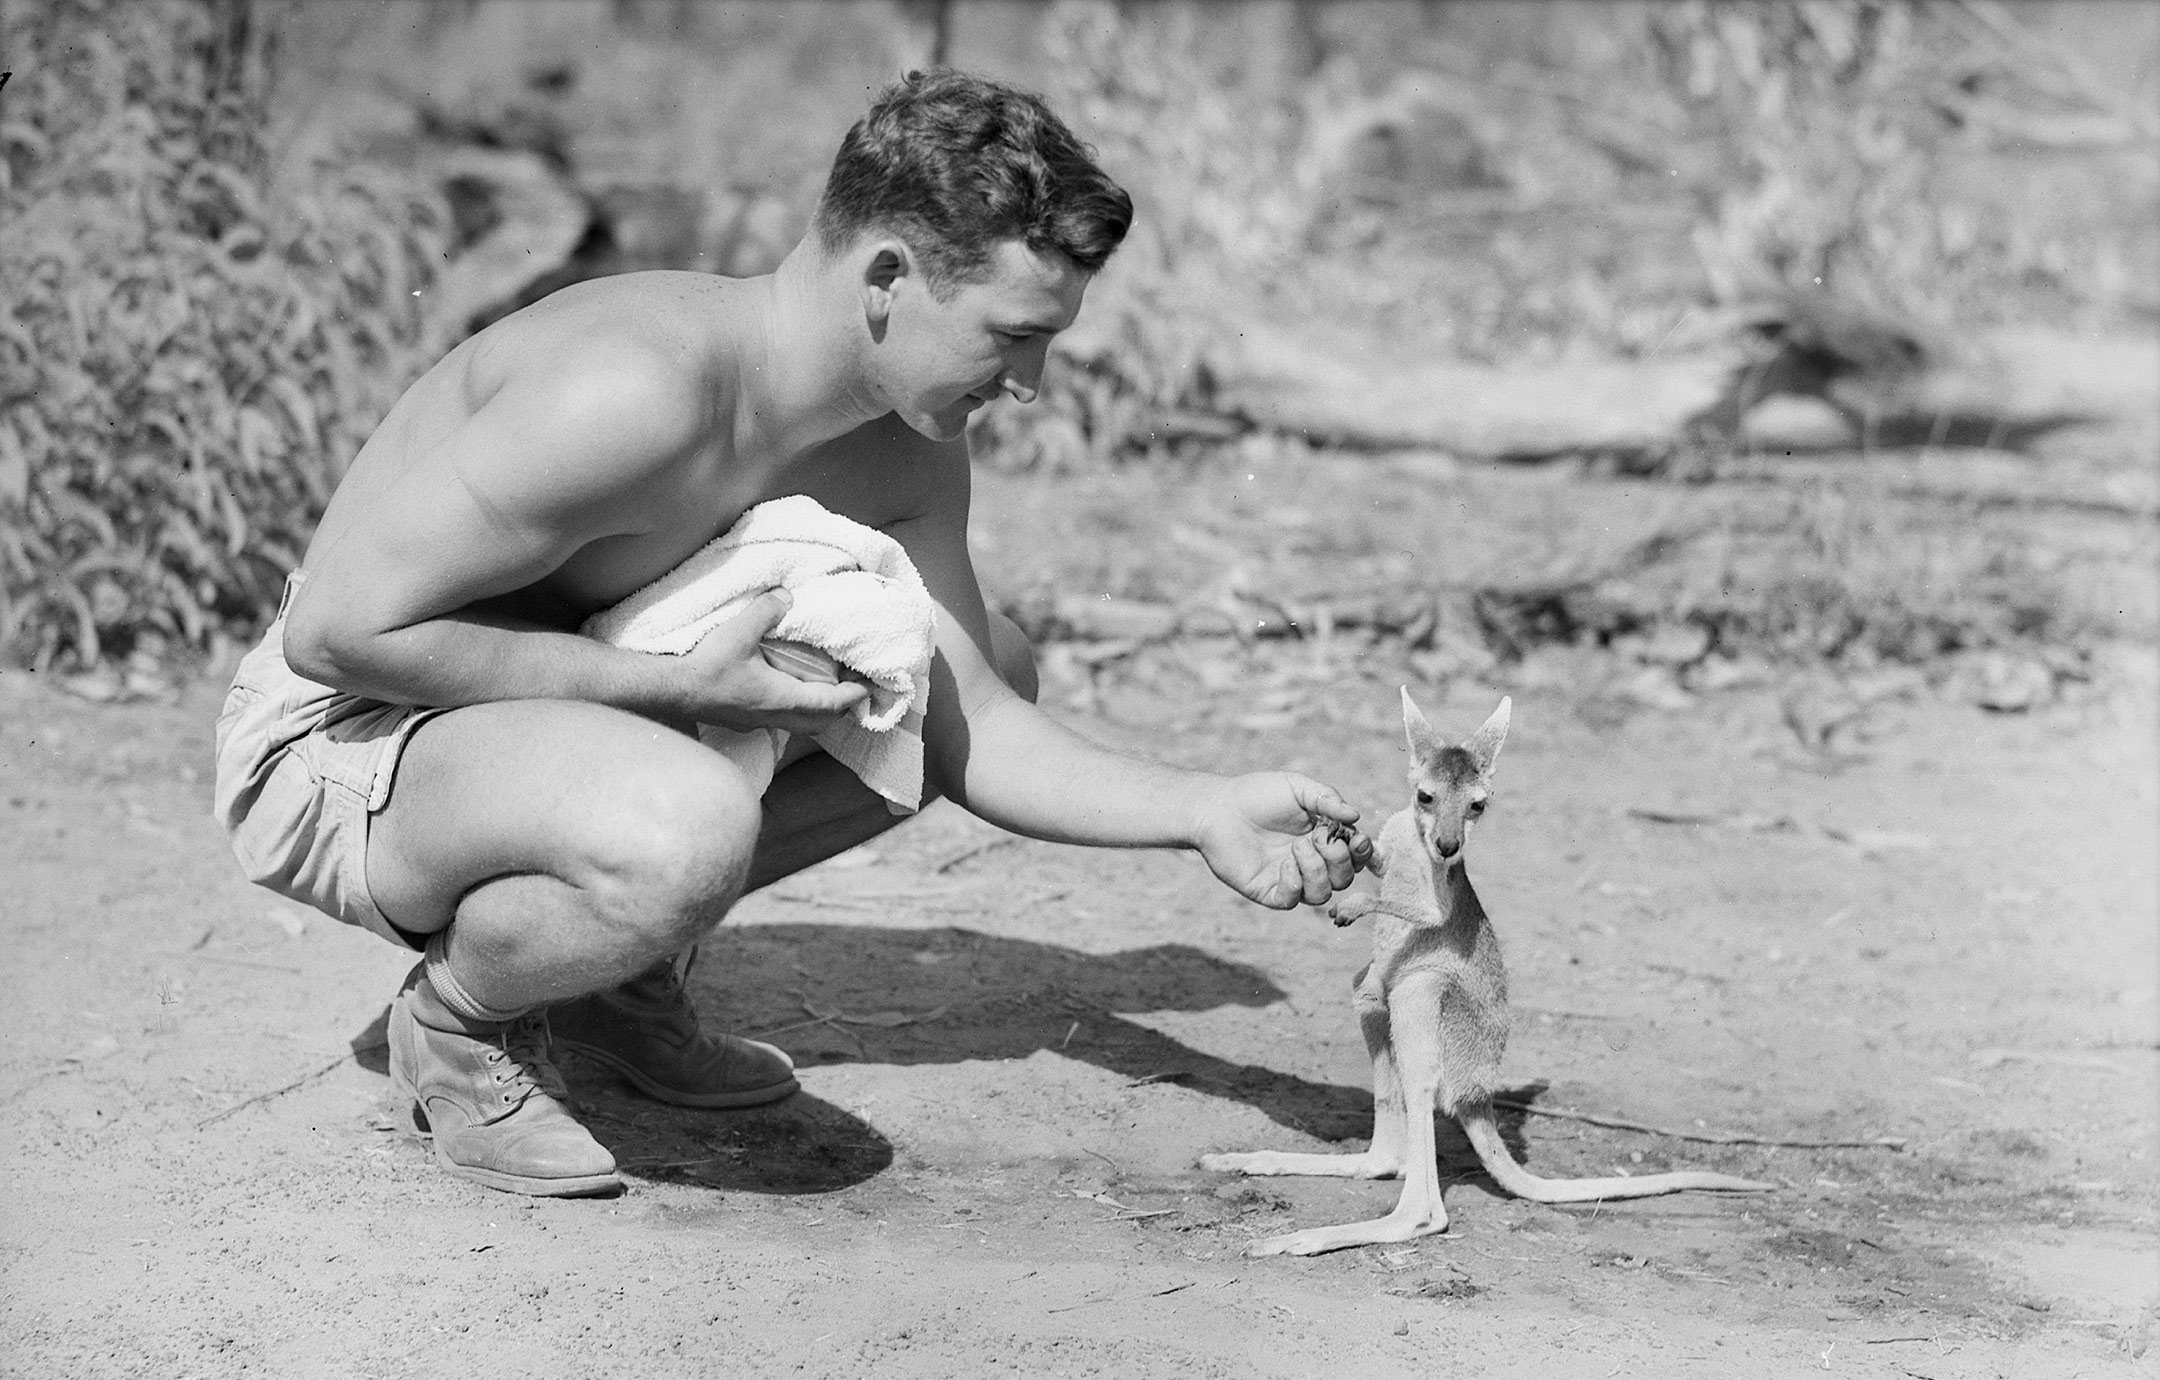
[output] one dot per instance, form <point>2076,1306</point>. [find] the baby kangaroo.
<point>1433,1007</point>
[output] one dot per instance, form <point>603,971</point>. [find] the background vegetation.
<point>188,352</point>
<point>219,213</point>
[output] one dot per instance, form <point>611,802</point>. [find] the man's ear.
<point>887,267</point>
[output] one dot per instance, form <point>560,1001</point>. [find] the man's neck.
<point>799,376</point>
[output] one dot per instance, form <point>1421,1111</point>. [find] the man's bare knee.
<point>1015,657</point>
<point>674,853</point>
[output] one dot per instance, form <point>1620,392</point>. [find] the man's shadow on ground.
<point>870,995</point>
<point>861,994</point>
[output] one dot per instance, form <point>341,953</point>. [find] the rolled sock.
<point>451,993</point>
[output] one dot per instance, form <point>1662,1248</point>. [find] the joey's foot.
<point>1320,1240</point>
<point>1364,1165</point>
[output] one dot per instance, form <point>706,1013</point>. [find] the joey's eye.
<point>1477,807</point>
<point>1424,797</point>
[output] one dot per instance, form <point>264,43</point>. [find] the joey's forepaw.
<point>1348,910</point>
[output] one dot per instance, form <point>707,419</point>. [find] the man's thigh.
<point>582,792</point>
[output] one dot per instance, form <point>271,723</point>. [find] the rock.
<point>1790,422</point>
<point>1655,687</point>
<point>1105,618</point>
<point>2005,682</point>
<point>1350,391</point>
<point>1668,644</point>
<point>537,220</point>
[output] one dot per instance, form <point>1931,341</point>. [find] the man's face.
<point>945,358</point>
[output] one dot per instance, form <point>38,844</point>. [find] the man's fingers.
<point>832,699</point>
<point>765,612</point>
<point>1314,886</point>
<point>1321,802</point>
<point>813,708</point>
<point>1341,861</point>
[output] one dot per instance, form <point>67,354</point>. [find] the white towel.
<point>857,597</point>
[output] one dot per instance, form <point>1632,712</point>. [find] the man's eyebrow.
<point>1030,328</point>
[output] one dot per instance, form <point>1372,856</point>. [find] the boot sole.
<point>747,1097</point>
<point>582,1186</point>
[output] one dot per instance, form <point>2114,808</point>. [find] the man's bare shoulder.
<point>644,363</point>
<point>672,331</point>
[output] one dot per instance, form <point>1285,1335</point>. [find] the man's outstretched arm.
<point>1265,834</point>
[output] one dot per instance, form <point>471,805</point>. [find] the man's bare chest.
<point>675,523</point>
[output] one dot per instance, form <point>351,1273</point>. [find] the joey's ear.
<point>1423,741</point>
<point>1484,745</point>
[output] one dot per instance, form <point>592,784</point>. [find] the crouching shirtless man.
<point>422,744</point>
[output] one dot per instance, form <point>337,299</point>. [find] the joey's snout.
<point>1444,837</point>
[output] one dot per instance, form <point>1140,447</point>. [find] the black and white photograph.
<point>1079,688</point>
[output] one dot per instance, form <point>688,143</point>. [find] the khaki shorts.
<point>302,770</point>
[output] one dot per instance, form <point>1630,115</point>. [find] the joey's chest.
<point>1398,944</point>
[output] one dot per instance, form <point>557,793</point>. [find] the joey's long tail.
<point>1492,1152</point>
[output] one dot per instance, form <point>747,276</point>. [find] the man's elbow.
<point>317,649</point>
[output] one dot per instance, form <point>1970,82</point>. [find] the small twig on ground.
<point>1704,1137</point>
<point>1165,1076</point>
<point>1563,1014</point>
<point>973,851</point>
<point>1113,1298</point>
<point>300,1082</point>
<point>1885,1341</point>
<point>669,1164</point>
<point>1680,971</point>
<point>836,902</point>
<point>201,957</point>
<point>883,1020</point>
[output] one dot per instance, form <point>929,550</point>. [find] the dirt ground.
<point>1013,1054</point>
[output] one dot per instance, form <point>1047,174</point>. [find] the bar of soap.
<point>800,660</point>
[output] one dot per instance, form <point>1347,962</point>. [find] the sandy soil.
<point>1013,1055</point>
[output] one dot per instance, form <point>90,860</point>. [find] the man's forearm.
<point>1026,772</point>
<point>472,658</point>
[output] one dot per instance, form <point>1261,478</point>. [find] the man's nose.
<point>1023,380</point>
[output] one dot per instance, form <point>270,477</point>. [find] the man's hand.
<point>734,687</point>
<point>1280,839</point>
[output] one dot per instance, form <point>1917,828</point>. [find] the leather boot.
<point>647,1031</point>
<point>495,1105</point>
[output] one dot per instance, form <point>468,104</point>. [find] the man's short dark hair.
<point>956,164</point>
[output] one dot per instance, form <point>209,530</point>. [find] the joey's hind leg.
<point>1383,1160</point>
<point>1414,1009</point>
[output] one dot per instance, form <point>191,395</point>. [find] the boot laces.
<point>527,1060</point>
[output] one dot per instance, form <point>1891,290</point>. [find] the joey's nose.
<point>1019,390</point>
